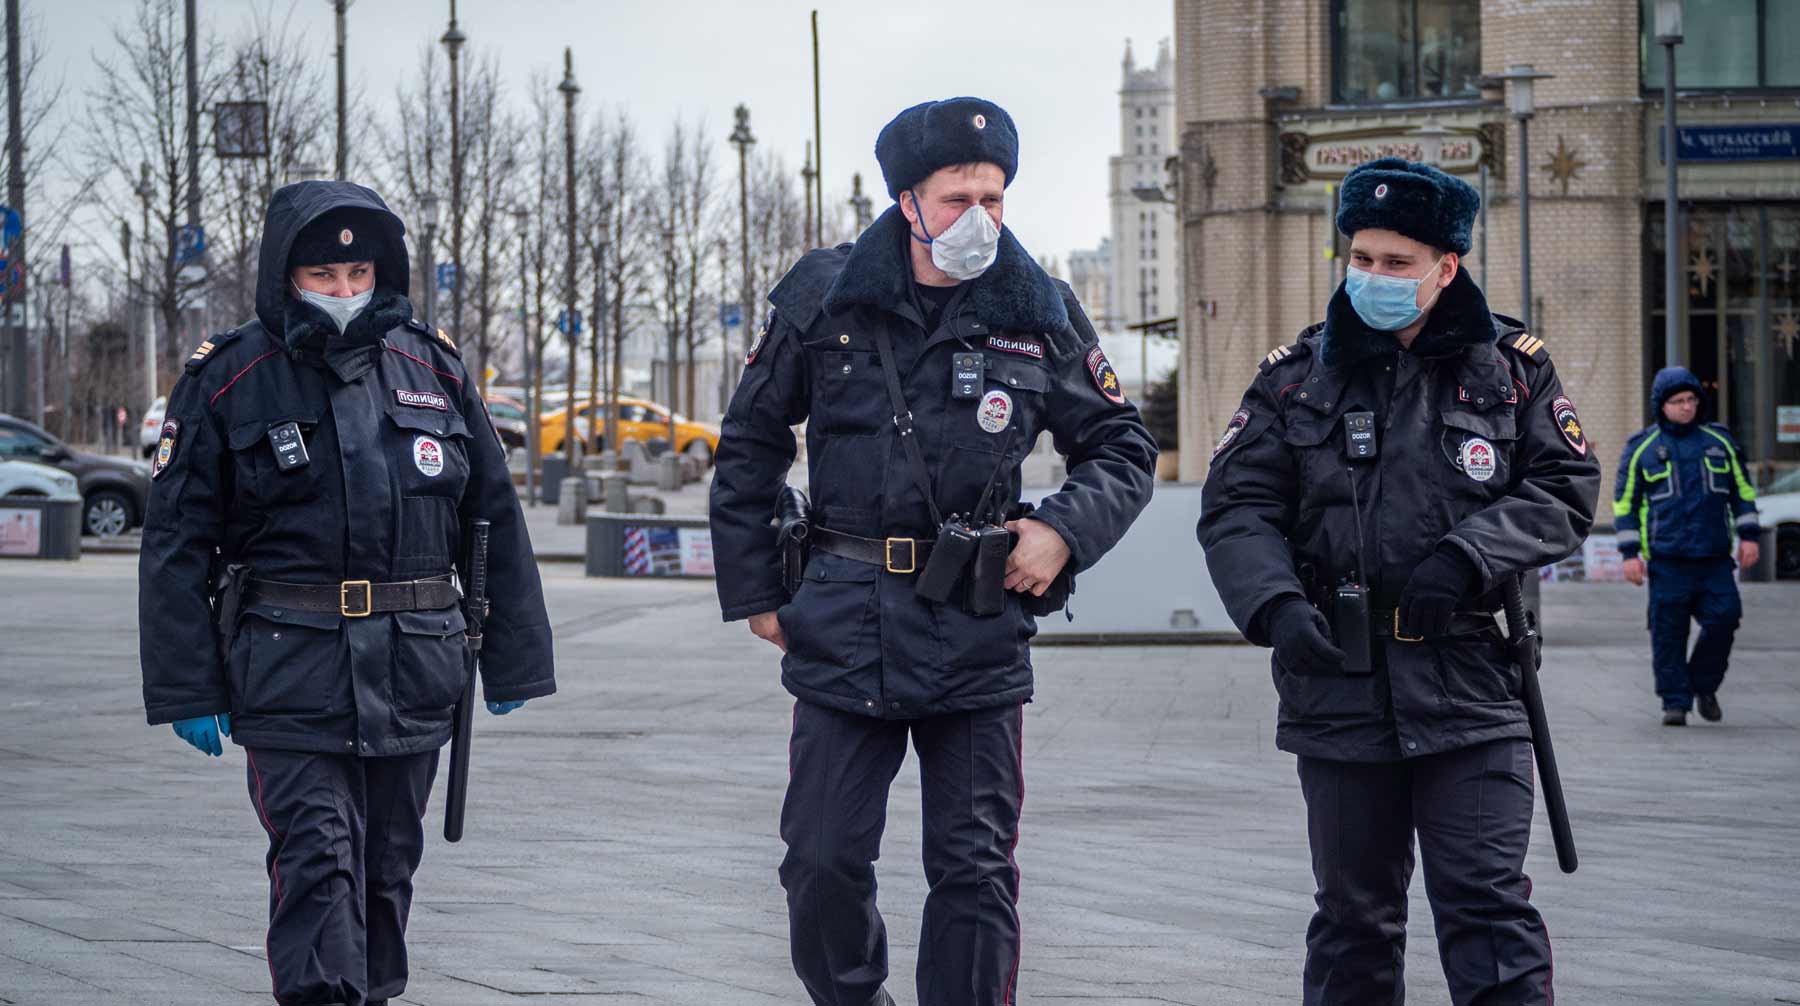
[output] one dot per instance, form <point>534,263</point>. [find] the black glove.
<point>1302,640</point>
<point>1437,586</point>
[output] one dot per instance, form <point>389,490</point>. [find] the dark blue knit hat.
<point>937,134</point>
<point>1410,198</point>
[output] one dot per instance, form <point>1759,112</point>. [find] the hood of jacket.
<point>290,210</point>
<point>1666,384</point>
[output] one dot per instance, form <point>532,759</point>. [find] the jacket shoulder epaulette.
<point>1283,354</point>
<point>209,349</point>
<point>1527,345</point>
<point>438,336</point>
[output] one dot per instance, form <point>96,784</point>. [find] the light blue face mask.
<point>341,310</point>
<point>1387,303</point>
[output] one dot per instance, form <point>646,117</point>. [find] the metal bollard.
<point>571,501</point>
<point>668,472</point>
<point>617,492</point>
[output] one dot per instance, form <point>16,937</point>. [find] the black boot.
<point>1709,709</point>
<point>1674,717</point>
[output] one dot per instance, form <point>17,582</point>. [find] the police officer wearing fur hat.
<point>925,359</point>
<point>1382,477</point>
<point>309,498</point>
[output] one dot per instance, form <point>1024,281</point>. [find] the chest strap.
<point>358,598</point>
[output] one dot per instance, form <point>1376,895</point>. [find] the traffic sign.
<point>731,315</point>
<point>190,243</point>
<point>562,322</point>
<point>446,276</point>
<point>11,276</point>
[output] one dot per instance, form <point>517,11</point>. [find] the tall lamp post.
<point>343,92</point>
<point>522,219</point>
<point>668,244</point>
<point>1669,35</point>
<point>569,90</point>
<point>860,204</point>
<point>453,40</point>
<point>1522,103</point>
<point>428,205</point>
<point>742,139</point>
<point>144,193</point>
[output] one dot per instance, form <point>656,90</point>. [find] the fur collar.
<point>1014,293</point>
<point>309,333</point>
<point>1458,320</point>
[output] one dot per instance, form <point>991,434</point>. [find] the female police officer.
<point>310,492</point>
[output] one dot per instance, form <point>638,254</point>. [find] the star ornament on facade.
<point>1703,269</point>
<point>1787,329</point>
<point>1565,166</point>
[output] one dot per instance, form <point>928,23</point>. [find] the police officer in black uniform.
<point>983,351</point>
<point>310,494</point>
<point>1382,477</point>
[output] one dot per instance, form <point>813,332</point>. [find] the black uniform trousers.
<point>1471,809</point>
<point>971,771</point>
<point>345,835</point>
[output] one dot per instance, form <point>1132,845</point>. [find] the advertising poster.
<point>20,533</point>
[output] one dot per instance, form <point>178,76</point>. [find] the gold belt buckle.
<point>368,598</point>
<point>912,555</point>
<point>1401,637</point>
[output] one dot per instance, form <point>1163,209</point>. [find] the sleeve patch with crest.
<point>1568,424</point>
<point>762,338</point>
<point>1239,420</point>
<point>165,447</point>
<point>1015,344</point>
<point>1105,378</point>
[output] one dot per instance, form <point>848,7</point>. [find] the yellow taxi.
<point>639,420</point>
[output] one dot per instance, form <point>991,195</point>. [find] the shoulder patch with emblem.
<point>165,447</point>
<point>1568,424</point>
<point>1526,344</point>
<point>1105,377</point>
<point>1282,354</point>
<point>1239,420</point>
<point>209,349</point>
<point>762,339</point>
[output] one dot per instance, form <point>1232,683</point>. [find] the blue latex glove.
<point>502,708</point>
<point>203,732</point>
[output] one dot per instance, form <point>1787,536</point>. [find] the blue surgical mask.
<point>341,310</point>
<point>1387,303</point>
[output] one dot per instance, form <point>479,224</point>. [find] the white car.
<point>1778,510</point>
<point>28,478</point>
<point>150,430</point>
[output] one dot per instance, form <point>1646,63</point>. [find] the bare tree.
<point>414,167</point>
<point>136,142</point>
<point>777,222</point>
<point>268,63</point>
<point>697,222</point>
<point>627,272</point>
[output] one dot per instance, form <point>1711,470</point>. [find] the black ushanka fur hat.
<point>937,134</point>
<point>1410,198</point>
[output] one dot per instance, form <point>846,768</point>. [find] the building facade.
<point>1303,90</point>
<point>1146,274</point>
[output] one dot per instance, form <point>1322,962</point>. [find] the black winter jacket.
<point>859,638</point>
<point>1478,449</point>
<point>402,457</point>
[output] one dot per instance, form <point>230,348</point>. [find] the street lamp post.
<point>668,242</point>
<point>742,139</point>
<point>453,40</point>
<point>809,175</point>
<point>860,204</point>
<point>343,92</point>
<point>601,352</point>
<point>428,205</point>
<point>522,219</point>
<point>1521,102</point>
<point>725,375</point>
<point>569,90</point>
<point>148,322</point>
<point>1669,35</point>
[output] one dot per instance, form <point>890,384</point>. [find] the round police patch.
<point>1105,378</point>
<point>428,456</point>
<point>165,447</point>
<point>1568,424</point>
<point>995,412</point>
<point>346,238</point>
<point>1381,191</point>
<point>1477,459</point>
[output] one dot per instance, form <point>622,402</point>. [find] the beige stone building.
<point>1277,99</point>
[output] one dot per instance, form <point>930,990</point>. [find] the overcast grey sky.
<point>1054,64</point>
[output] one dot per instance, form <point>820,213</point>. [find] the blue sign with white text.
<point>1750,142</point>
<point>446,276</point>
<point>731,315</point>
<point>190,243</point>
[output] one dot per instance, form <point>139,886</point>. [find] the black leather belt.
<point>896,555</point>
<point>1463,623</point>
<point>358,598</point>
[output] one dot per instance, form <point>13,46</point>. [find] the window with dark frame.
<point>1736,45</point>
<point>1405,50</point>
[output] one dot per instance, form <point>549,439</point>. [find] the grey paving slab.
<point>622,842</point>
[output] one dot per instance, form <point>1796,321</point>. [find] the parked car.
<point>150,430</point>
<point>639,420</point>
<point>1778,507</point>
<point>508,415</point>
<point>28,478</point>
<point>113,490</point>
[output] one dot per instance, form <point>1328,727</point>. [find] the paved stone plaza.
<point>622,838</point>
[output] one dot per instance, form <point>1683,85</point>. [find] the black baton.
<point>1523,640</point>
<point>456,797</point>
